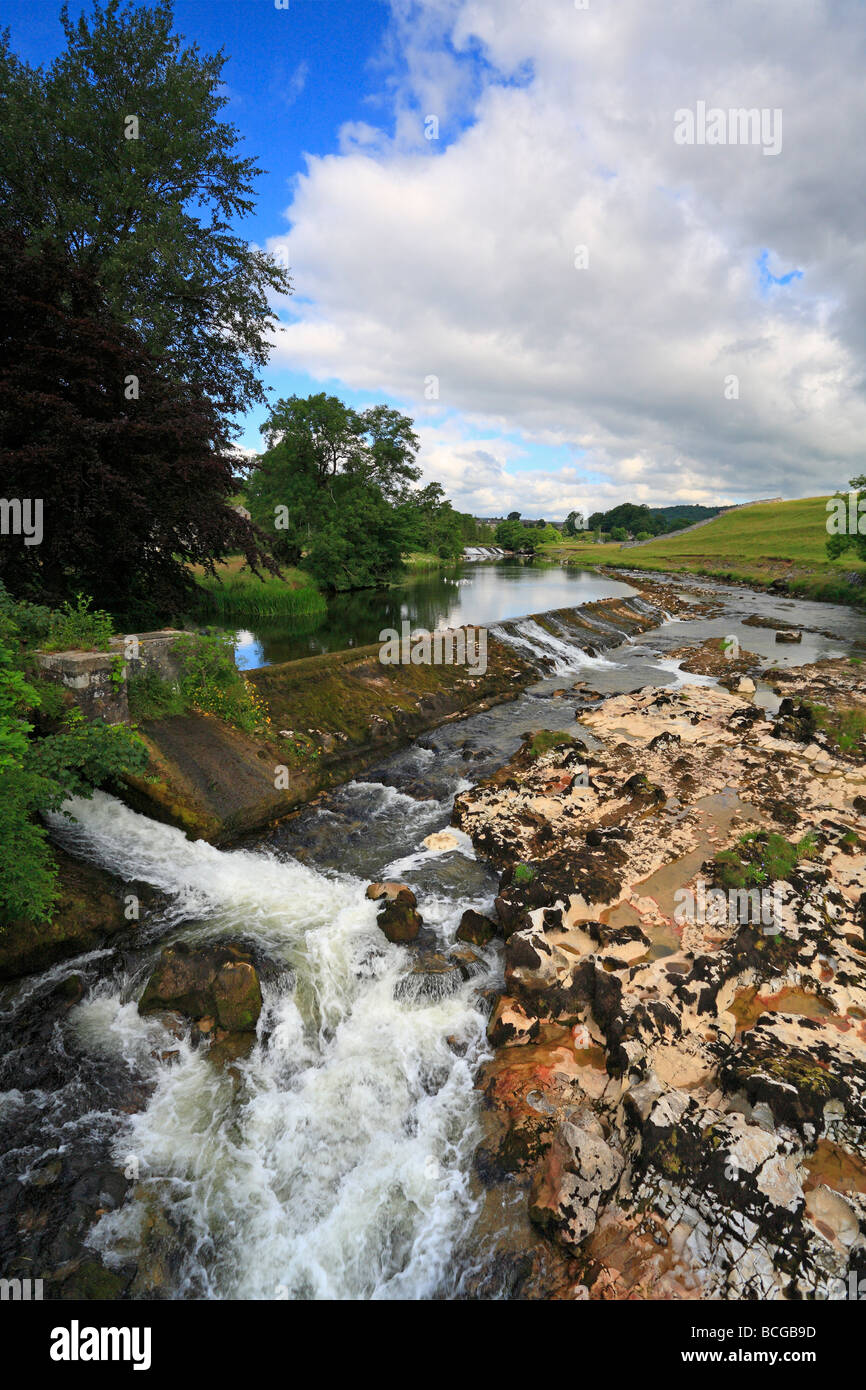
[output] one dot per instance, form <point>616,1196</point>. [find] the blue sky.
<point>293,77</point>
<point>559,383</point>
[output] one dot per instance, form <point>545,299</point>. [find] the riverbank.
<point>345,1150</point>
<point>778,546</point>
<point>235,594</point>
<point>677,1094</point>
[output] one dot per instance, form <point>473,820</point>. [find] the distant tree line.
<point>643,522</point>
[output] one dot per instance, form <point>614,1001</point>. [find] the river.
<point>336,1161</point>
<point>445,597</point>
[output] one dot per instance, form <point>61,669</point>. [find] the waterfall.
<point>566,657</point>
<point>336,1164</point>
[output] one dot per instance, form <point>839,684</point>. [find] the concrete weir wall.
<point>328,717</point>
<point>99,681</point>
<point>331,716</point>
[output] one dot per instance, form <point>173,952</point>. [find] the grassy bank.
<point>238,594</point>
<point>419,560</point>
<point>760,545</point>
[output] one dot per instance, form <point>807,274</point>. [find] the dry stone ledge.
<point>682,1098</point>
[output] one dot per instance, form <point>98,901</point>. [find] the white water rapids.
<point>337,1167</point>
<point>336,1160</point>
<point>565,657</point>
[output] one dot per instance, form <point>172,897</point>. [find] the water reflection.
<point>461,593</point>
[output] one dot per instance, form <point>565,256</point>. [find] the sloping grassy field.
<point>756,545</point>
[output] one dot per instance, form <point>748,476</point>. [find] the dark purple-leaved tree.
<point>133,469</point>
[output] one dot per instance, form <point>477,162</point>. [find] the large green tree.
<point>117,152</point>
<point>327,465</point>
<point>432,524</point>
<point>848,526</point>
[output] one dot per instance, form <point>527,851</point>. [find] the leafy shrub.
<point>30,620</point>
<point>211,683</point>
<point>39,775</point>
<point>152,697</point>
<point>80,628</point>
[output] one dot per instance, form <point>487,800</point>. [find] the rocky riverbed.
<point>405,1046</point>
<point>676,1103</point>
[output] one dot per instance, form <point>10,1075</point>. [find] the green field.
<point>756,545</point>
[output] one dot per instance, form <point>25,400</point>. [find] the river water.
<point>334,1162</point>
<point>446,597</point>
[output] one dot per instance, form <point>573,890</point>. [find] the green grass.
<point>238,594</point>
<point>424,560</point>
<point>754,545</point>
<point>546,739</point>
<point>760,857</point>
<point>846,728</point>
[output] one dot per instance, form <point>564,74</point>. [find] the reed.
<point>243,596</point>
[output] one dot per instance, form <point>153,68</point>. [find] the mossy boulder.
<point>399,921</point>
<point>89,911</point>
<point>475,928</point>
<point>796,1084</point>
<point>219,982</point>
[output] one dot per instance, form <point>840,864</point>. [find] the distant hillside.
<point>684,511</point>
<point>779,543</point>
<point>767,542</point>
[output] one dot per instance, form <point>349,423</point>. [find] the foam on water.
<point>337,1165</point>
<point>566,657</point>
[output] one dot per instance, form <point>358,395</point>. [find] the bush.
<point>211,683</point>
<point>151,697</point>
<point>30,620</point>
<point>80,628</point>
<point>38,776</point>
